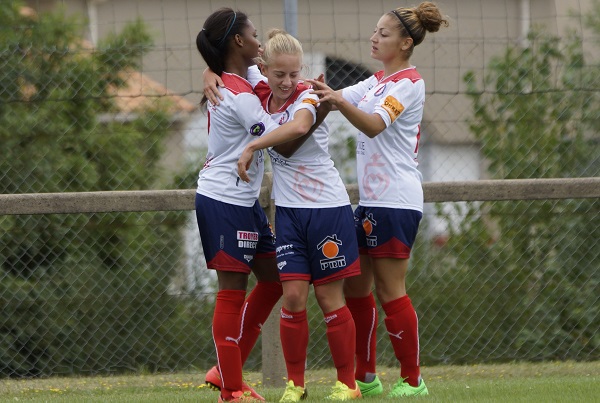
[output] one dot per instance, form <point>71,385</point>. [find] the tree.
<point>79,293</point>
<point>536,114</point>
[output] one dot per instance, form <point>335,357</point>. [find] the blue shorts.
<point>386,232</point>
<point>317,245</point>
<point>233,236</point>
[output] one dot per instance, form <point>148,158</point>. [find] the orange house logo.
<point>330,247</point>
<point>368,224</point>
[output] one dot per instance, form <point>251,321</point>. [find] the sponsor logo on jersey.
<point>310,101</point>
<point>247,239</point>
<point>392,106</point>
<point>360,148</point>
<point>330,247</point>
<point>368,224</point>
<point>283,247</point>
<point>257,129</point>
<point>281,265</point>
<point>284,250</point>
<point>248,258</point>
<point>276,159</point>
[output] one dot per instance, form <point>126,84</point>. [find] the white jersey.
<point>387,164</point>
<point>233,124</point>
<point>308,179</point>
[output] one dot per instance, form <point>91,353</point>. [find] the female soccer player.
<point>316,241</point>
<point>235,234</point>
<point>387,109</point>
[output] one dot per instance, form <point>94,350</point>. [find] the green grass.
<point>518,382</point>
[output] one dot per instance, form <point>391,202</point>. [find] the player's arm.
<point>299,126</point>
<point>371,124</point>
<point>212,82</point>
<point>289,148</point>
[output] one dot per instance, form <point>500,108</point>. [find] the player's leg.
<point>395,238</point>
<point>217,222</point>
<point>333,258</point>
<point>293,328</point>
<point>267,291</point>
<point>361,302</point>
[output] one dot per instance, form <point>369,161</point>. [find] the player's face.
<point>250,40</point>
<point>283,73</point>
<point>386,41</point>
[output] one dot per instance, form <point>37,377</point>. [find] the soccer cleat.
<point>370,388</point>
<point>403,389</point>
<point>213,379</point>
<point>341,391</point>
<point>239,396</point>
<point>293,393</point>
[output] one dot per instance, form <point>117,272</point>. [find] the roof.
<point>139,91</point>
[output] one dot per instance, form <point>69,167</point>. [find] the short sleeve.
<point>251,115</point>
<point>354,93</point>
<point>401,96</point>
<point>255,76</point>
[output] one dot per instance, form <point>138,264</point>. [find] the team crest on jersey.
<point>380,90</point>
<point>330,247</point>
<point>368,224</point>
<point>257,129</point>
<point>285,116</point>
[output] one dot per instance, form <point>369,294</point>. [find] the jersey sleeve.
<point>307,101</point>
<point>254,76</point>
<point>354,93</point>
<point>400,97</point>
<point>251,115</point>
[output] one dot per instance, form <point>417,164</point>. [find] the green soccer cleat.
<point>370,388</point>
<point>293,393</point>
<point>403,389</point>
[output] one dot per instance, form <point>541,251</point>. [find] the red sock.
<point>226,333</point>
<point>342,344</point>
<point>293,329</point>
<point>366,317</point>
<point>402,326</point>
<point>255,311</point>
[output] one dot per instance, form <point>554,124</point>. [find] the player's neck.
<point>276,103</point>
<point>237,65</point>
<point>395,66</point>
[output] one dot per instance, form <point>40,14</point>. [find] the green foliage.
<point>80,293</point>
<point>534,269</point>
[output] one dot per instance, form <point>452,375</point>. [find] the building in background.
<point>335,35</point>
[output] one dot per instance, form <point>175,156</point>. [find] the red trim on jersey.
<point>392,248</point>
<point>223,261</point>
<point>235,83</point>
<point>349,271</point>
<point>263,91</point>
<point>411,73</point>
<point>294,276</point>
<point>266,255</point>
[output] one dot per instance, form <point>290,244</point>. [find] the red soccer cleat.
<point>213,379</point>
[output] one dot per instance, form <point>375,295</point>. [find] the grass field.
<point>519,382</point>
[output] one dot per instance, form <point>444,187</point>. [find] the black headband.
<point>404,25</point>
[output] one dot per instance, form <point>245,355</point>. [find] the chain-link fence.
<point>108,102</point>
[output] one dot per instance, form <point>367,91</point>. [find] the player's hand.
<point>244,164</point>
<point>324,92</point>
<point>212,82</point>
